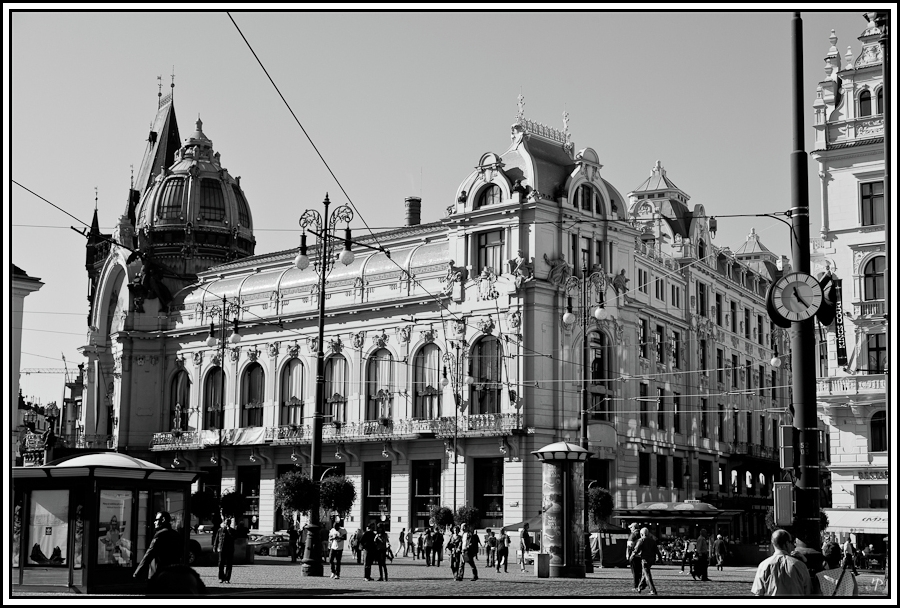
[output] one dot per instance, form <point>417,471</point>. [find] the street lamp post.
<point>324,227</point>
<point>598,282</point>
<point>211,341</point>
<point>457,400</point>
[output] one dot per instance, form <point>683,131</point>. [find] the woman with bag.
<point>836,580</point>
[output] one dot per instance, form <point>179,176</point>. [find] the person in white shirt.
<point>336,539</point>
<point>782,574</point>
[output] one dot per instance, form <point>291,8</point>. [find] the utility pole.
<point>803,340</point>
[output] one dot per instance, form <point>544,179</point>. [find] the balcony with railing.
<point>868,309</point>
<point>859,386</point>
<point>473,425</point>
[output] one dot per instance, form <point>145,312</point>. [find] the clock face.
<point>797,296</point>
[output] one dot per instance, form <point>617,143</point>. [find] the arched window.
<point>865,103</point>
<point>601,373</point>
<point>487,357</point>
<point>169,205</point>
<point>179,401</point>
<point>292,393</point>
<point>212,399</point>
<point>491,195</point>
<point>243,208</point>
<point>212,200</point>
<point>587,198</point>
<point>379,385</point>
<point>427,383</point>
<point>879,101</point>
<point>253,395</point>
<point>336,388</point>
<point>878,428</point>
<point>873,279</point>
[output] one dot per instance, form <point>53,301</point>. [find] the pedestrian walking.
<point>524,544</point>
<point>470,543</point>
<point>503,550</point>
<point>428,544</point>
<point>166,547</point>
<point>356,545</point>
<point>702,556</point>
<point>719,551</point>
<point>224,547</point>
<point>336,539</point>
<point>492,550</point>
<point>687,557</point>
<point>633,559</point>
<point>383,552</point>
<point>367,543</point>
<point>438,550</point>
<point>850,556</point>
<point>402,546</point>
<point>484,543</point>
<point>781,574</point>
<point>420,545</point>
<point>293,539</point>
<point>408,546</point>
<point>834,579</point>
<point>454,549</point>
<point>647,551</point>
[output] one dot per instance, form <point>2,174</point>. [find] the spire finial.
<point>172,86</point>
<point>96,196</point>
<point>159,84</point>
<point>132,176</point>
<point>520,114</point>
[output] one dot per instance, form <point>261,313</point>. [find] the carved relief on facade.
<point>252,354</point>
<point>486,284</point>
<point>429,335</point>
<point>198,358</point>
<point>514,321</point>
<point>486,325</point>
<point>404,333</point>
<point>357,339</point>
<point>380,340</point>
<point>235,353</point>
<point>272,348</point>
<point>293,350</point>
<point>312,343</point>
<point>335,345</point>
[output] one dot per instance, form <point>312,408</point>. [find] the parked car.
<point>200,550</point>
<point>269,544</point>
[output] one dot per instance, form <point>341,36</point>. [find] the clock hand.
<point>799,299</point>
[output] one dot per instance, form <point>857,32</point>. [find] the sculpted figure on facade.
<point>559,271</point>
<point>358,339</point>
<point>294,350</point>
<point>486,281</point>
<point>272,348</point>
<point>404,333</point>
<point>455,274</point>
<point>521,269</point>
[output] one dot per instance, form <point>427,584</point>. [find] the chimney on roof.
<point>413,211</point>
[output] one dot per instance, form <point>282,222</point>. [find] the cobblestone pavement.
<point>278,578</point>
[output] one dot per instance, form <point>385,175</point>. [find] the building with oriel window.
<point>853,351</point>
<point>453,358</point>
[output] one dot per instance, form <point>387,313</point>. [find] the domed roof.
<point>108,459</point>
<point>195,208</point>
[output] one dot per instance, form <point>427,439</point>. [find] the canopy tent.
<point>533,524</point>
<point>686,512</point>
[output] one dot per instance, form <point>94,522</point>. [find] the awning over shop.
<point>674,511</point>
<point>857,521</point>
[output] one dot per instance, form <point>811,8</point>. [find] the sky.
<point>399,104</point>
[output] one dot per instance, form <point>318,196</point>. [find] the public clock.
<point>795,297</point>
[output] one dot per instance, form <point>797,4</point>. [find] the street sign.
<point>784,503</point>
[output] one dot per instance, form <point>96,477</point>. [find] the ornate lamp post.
<point>325,226</point>
<point>596,282</point>
<point>211,341</point>
<point>457,398</point>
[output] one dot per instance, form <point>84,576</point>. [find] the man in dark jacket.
<point>367,542</point>
<point>634,561</point>
<point>166,548</point>
<point>224,546</point>
<point>647,551</point>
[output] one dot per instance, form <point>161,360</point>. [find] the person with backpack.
<point>503,550</point>
<point>470,543</point>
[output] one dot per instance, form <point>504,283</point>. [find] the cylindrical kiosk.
<point>563,508</point>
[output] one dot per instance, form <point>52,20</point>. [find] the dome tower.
<point>194,215</point>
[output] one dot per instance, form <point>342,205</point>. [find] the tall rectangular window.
<point>704,359</point>
<point>748,374</point>
<point>662,471</point>
<point>660,339</point>
<point>490,251</point>
<point>734,371</point>
<point>643,280</point>
<point>643,469</point>
<point>599,255</point>
<point>170,203</point>
<point>762,430</point>
<point>877,351</point>
<point>212,200</point>
<point>677,413</point>
<point>720,365</point>
<point>720,430</point>
<point>871,199</point>
<point>702,304</point>
<point>585,254</point>
<point>677,472</point>
<point>704,423</point>
<point>749,427</point>
<point>719,309</point>
<point>759,330</point>
<point>734,425</point>
<point>489,491</point>
<point>644,339</point>
<point>676,349</point>
<point>733,316</point>
<point>774,389</point>
<point>676,296</point>
<point>747,332</point>
<point>645,414</point>
<point>761,374</point>
<point>377,493</point>
<point>660,289</point>
<point>661,409</point>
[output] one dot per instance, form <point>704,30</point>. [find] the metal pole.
<point>220,416</point>
<point>585,403</point>
<point>803,339</point>
<point>312,562</point>
<point>456,400</point>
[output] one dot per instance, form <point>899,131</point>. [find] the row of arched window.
<point>380,388</point>
<point>865,102</point>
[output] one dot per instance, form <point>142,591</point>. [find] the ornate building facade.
<point>853,351</point>
<point>684,399</point>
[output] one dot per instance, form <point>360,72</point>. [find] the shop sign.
<point>872,475</point>
<point>840,338</point>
